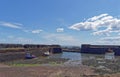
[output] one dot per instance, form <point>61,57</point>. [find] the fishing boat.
<point>47,53</point>
<point>29,56</point>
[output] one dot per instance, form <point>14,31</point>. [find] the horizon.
<point>63,22</point>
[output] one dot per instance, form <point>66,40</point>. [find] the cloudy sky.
<point>64,22</point>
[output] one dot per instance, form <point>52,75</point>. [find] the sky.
<point>63,22</point>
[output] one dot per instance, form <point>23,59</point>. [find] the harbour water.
<point>67,55</point>
<point>78,58</point>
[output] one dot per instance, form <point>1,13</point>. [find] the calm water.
<point>67,55</point>
<point>80,56</point>
<point>77,58</point>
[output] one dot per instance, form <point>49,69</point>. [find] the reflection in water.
<point>56,55</point>
<point>67,55</point>
<point>110,56</point>
<point>77,58</point>
<point>74,58</point>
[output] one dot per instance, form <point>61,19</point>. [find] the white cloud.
<point>103,32</point>
<point>18,26</point>
<point>61,39</point>
<point>37,31</point>
<point>117,38</point>
<point>109,40</point>
<point>97,17</point>
<point>15,26</point>
<point>60,29</point>
<point>21,40</point>
<point>101,24</point>
<point>11,25</point>
<point>17,40</point>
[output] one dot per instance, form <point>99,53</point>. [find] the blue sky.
<point>64,22</point>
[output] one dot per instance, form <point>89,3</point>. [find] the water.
<point>109,56</point>
<point>80,56</point>
<point>77,58</point>
<point>67,55</point>
<point>74,58</point>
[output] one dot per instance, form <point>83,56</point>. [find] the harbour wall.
<point>99,49</point>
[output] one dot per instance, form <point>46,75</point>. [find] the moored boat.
<point>47,53</point>
<point>29,56</point>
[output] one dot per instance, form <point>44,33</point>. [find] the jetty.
<point>99,49</point>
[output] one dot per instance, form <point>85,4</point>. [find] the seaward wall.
<point>99,49</point>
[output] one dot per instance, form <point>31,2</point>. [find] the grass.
<point>30,64</point>
<point>20,65</point>
<point>12,48</point>
<point>55,63</point>
<point>37,62</point>
<point>4,50</point>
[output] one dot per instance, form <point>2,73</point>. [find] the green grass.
<point>12,48</point>
<point>37,62</point>
<point>19,65</point>
<point>54,63</point>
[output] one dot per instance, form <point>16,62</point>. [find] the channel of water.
<point>77,58</point>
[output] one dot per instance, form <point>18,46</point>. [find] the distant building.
<point>99,49</point>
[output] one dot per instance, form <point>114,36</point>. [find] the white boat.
<point>46,53</point>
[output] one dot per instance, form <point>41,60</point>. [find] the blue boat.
<point>29,56</point>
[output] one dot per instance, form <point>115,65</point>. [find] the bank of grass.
<point>5,50</point>
<point>24,65</point>
<point>20,64</point>
<point>11,48</point>
<point>37,62</point>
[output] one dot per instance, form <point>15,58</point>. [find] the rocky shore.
<point>102,66</point>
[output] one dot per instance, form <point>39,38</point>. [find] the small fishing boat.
<point>47,53</point>
<point>29,56</point>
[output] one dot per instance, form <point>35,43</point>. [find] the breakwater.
<point>99,49</point>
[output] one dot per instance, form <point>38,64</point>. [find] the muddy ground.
<point>50,71</point>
